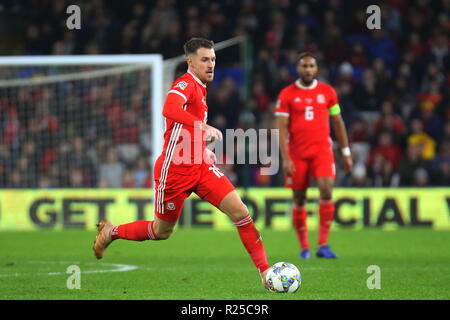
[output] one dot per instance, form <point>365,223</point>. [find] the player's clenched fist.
<point>288,166</point>
<point>211,133</point>
<point>348,164</point>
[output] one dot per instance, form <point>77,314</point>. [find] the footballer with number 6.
<point>185,112</point>
<point>303,111</point>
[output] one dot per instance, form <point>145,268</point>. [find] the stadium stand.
<point>393,84</point>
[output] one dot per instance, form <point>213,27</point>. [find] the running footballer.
<point>185,111</point>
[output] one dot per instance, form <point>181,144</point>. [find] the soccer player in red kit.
<point>185,137</point>
<point>303,111</point>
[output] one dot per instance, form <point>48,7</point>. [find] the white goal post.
<point>153,62</point>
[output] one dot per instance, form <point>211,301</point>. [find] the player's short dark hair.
<point>306,54</point>
<point>193,44</point>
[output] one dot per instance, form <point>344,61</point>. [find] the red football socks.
<point>143,230</point>
<point>252,241</point>
<point>137,231</point>
<point>326,214</point>
<point>299,216</point>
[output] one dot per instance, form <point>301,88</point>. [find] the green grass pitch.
<point>196,264</point>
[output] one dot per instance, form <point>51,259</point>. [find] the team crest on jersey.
<point>320,98</point>
<point>170,206</point>
<point>182,85</point>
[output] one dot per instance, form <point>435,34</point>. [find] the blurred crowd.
<point>392,83</point>
<point>72,133</point>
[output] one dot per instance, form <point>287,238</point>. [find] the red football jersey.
<point>307,109</point>
<point>193,91</point>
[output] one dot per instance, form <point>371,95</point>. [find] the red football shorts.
<point>321,164</point>
<point>174,185</point>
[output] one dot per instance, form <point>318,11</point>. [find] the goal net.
<point>80,121</point>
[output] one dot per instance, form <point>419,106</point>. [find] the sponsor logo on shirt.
<point>308,100</point>
<point>182,85</point>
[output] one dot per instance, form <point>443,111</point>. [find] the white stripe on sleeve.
<point>180,94</point>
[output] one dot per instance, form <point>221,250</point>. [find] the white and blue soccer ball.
<point>283,277</point>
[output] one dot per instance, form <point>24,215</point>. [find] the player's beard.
<point>306,82</point>
<point>210,76</point>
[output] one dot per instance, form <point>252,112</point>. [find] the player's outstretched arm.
<point>341,135</point>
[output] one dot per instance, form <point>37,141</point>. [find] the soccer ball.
<point>283,277</point>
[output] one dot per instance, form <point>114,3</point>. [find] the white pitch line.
<point>118,268</point>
